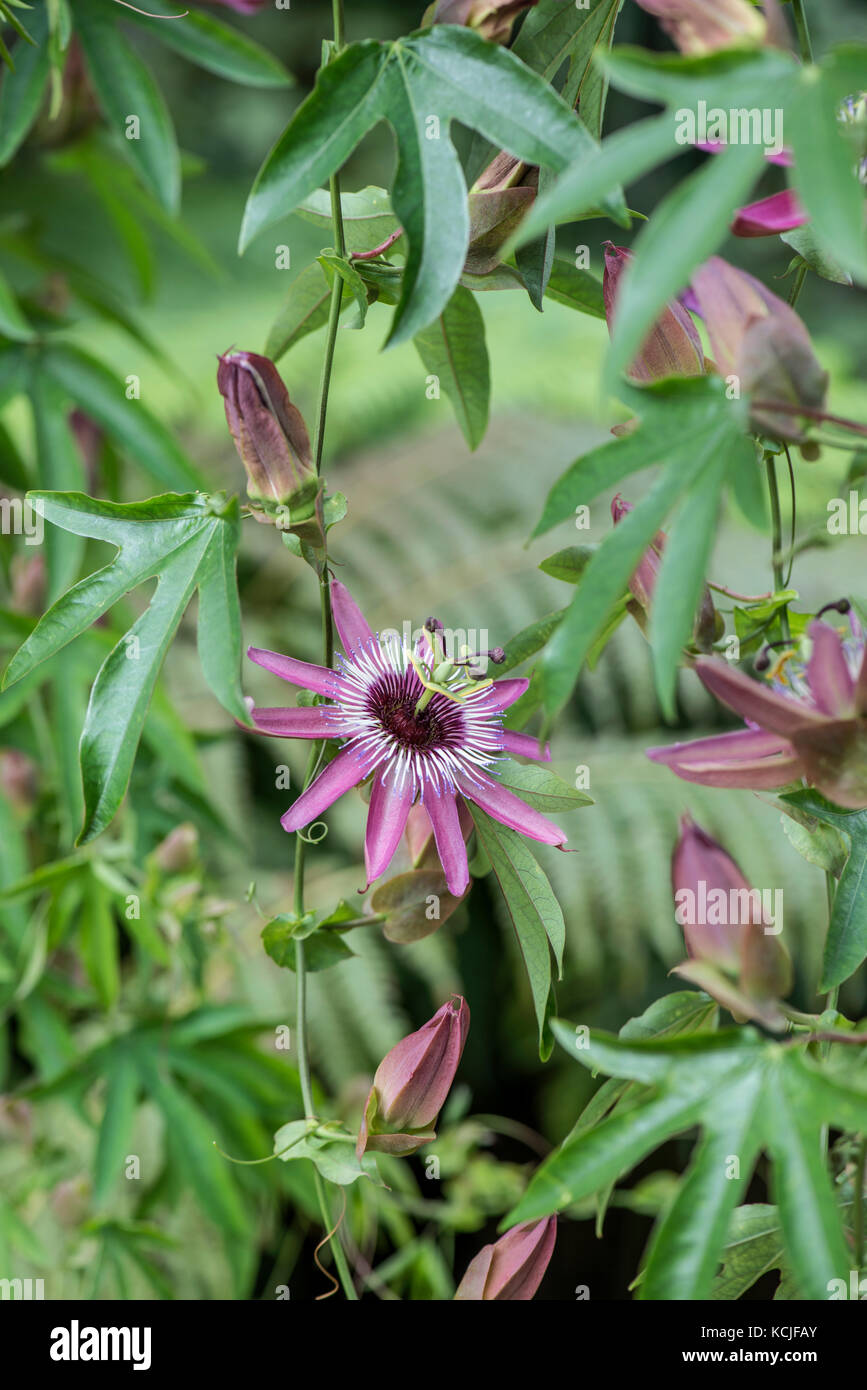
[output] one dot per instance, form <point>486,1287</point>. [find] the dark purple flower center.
<point>393,703</point>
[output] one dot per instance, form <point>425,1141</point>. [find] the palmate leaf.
<point>419,85</point>
<point>210,1080</point>
<point>186,542</point>
<point>554,34</point>
<point>746,1094</point>
<point>698,436</point>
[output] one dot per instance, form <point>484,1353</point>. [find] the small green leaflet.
<point>690,428</point>
<point>329,1148</point>
<point>747,1095</point>
<point>846,942</point>
<point>419,85</point>
<point>186,542</point>
<point>453,349</point>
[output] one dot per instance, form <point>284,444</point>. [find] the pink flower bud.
<point>702,876</point>
<point>269,432</point>
<point>672,347</point>
<point>731,937</point>
<point>643,581</point>
<point>178,851</point>
<point>702,26</point>
<point>760,342</point>
<point>512,1268</point>
<point>412,1082</point>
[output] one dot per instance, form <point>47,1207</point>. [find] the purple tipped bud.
<point>178,851</point>
<point>269,432</point>
<point>412,1082</point>
<point>492,18</point>
<point>726,923</point>
<point>643,581</point>
<point>672,347</point>
<point>702,26</point>
<point>18,779</point>
<point>497,655</point>
<point>498,201</point>
<point>511,1269</point>
<point>702,876</point>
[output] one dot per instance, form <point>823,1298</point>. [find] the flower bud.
<point>179,850</point>
<point>269,432</point>
<point>761,343</point>
<point>708,625</point>
<point>497,202</point>
<point>411,1083</point>
<point>513,1267</point>
<point>733,942</point>
<point>27,573</point>
<point>18,780</point>
<point>493,19</point>
<point>702,26</point>
<point>700,870</point>
<point>672,347</point>
<point>643,581</point>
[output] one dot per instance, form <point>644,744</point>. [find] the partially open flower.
<point>731,930</point>
<point>511,1269</point>
<point>810,723</point>
<point>702,26</point>
<point>269,432</point>
<point>672,347</point>
<point>411,1084</point>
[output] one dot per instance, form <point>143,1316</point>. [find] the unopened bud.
<point>269,432</point>
<point>179,850</point>
<point>412,1082</point>
<point>672,347</point>
<point>511,1269</point>
<point>702,26</point>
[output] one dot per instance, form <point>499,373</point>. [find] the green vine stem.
<point>301,1040</point>
<point>799,14</point>
<point>777,537</point>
